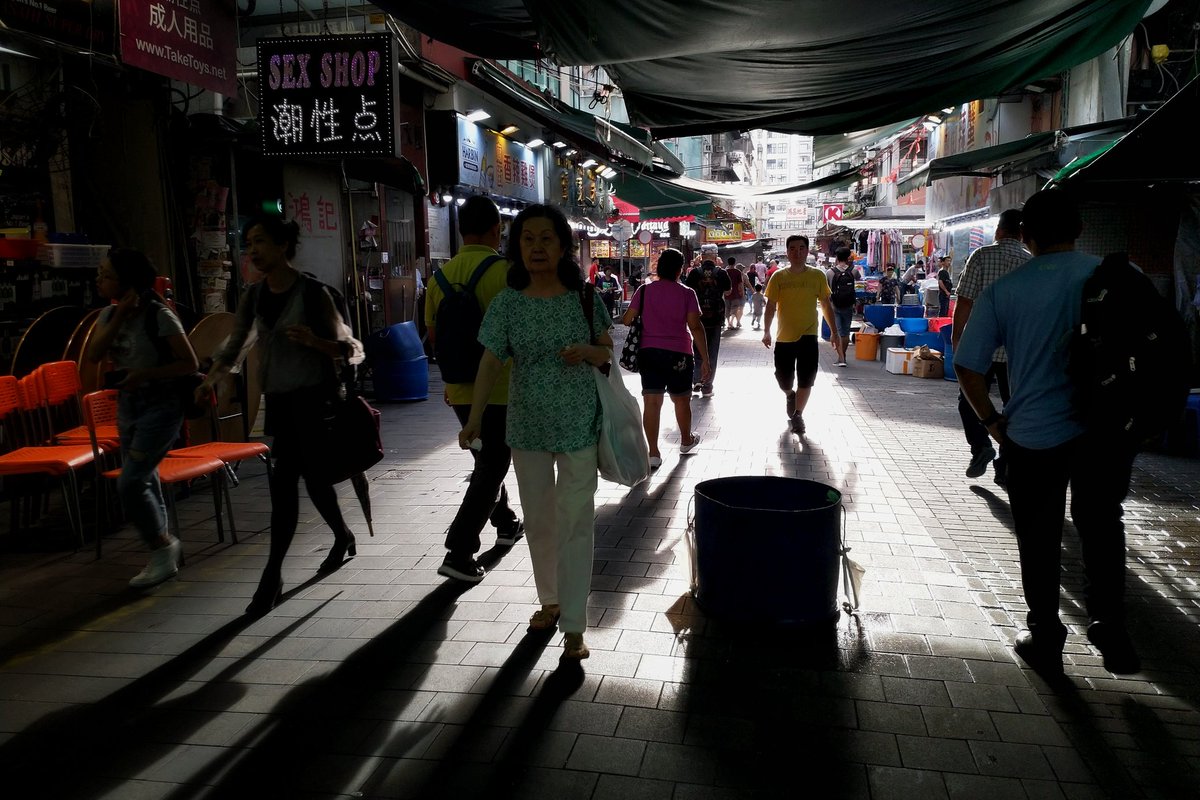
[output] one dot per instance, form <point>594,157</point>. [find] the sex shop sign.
<point>327,96</point>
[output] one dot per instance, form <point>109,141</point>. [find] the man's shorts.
<point>843,317</point>
<point>732,304</point>
<point>796,361</point>
<point>665,370</point>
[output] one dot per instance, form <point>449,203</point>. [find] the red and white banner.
<point>194,41</point>
<point>831,212</point>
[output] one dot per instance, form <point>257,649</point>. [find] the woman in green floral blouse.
<point>553,410</point>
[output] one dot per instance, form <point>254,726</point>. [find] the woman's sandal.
<point>544,618</point>
<point>574,648</point>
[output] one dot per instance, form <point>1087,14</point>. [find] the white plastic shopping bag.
<point>623,455</point>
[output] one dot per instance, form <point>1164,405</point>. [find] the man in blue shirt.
<point>1033,312</point>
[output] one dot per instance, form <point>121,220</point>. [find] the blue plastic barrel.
<point>909,311</point>
<point>948,352</point>
<point>767,549</point>
<point>879,316</point>
<point>931,340</point>
<point>399,367</point>
<point>825,334</point>
<point>399,342</point>
<point>913,324</point>
<point>397,381</point>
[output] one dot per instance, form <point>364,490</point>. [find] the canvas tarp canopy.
<point>685,67</point>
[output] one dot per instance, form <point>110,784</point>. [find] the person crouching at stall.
<point>145,340</point>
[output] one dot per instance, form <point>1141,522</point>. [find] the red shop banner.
<point>194,41</point>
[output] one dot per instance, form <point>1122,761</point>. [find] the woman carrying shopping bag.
<point>553,412</point>
<point>670,315</point>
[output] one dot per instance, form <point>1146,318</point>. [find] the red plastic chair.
<point>101,407</point>
<point>63,396</point>
<point>20,404</point>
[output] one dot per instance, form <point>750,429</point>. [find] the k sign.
<point>193,41</point>
<point>831,212</point>
<point>327,96</point>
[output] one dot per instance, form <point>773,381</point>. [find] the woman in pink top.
<point>670,316</point>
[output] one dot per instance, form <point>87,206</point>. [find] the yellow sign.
<point>723,232</point>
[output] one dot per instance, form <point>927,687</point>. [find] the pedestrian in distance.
<point>734,300</point>
<point>984,267</point>
<point>1032,312</point>
<point>945,287</point>
<point>302,342</point>
<point>147,344</point>
<point>477,264</point>
<point>842,276</point>
<point>671,327</point>
<point>554,410</point>
<point>757,303</point>
<point>710,283</point>
<point>794,293</point>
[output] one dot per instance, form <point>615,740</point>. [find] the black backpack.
<point>459,316</point>
<point>1130,359</point>
<point>842,292</point>
<point>184,385</point>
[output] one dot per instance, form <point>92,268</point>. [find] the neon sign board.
<point>328,96</point>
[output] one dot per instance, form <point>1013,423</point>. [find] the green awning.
<point>657,200</point>
<point>599,136</point>
<point>804,66</point>
<point>1049,149</point>
<point>1161,149</point>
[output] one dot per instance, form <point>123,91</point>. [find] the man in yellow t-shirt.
<point>794,292</point>
<point>486,497</point>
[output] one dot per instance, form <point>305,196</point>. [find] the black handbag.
<point>633,339</point>
<point>350,442</point>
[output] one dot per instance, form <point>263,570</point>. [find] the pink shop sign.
<point>193,41</point>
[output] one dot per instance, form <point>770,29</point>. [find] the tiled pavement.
<point>384,680</point>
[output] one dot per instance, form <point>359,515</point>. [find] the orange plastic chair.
<point>101,408</point>
<point>63,395</point>
<point>229,452</point>
<point>173,471</point>
<point>19,404</point>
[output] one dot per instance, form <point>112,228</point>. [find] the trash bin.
<point>866,346</point>
<point>910,311</point>
<point>886,341</point>
<point>931,340</point>
<point>767,549</point>
<point>399,367</point>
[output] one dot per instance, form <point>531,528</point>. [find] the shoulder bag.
<point>633,340</point>
<point>621,454</point>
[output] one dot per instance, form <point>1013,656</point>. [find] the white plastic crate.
<point>80,256</point>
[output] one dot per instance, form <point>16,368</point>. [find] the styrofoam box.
<point>899,360</point>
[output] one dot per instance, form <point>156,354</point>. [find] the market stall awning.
<point>882,224</point>
<point>685,67</point>
<point>1160,149</point>
<point>600,136</point>
<point>1049,148</point>
<point>626,210</point>
<point>750,192</point>
<point>658,200</point>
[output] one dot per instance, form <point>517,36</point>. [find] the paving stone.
<point>607,754</point>
<point>892,782</point>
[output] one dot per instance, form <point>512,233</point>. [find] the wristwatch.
<point>991,419</point>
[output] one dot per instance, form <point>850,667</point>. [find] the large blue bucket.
<point>880,316</point>
<point>910,311</point>
<point>931,340</point>
<point>767,549</point>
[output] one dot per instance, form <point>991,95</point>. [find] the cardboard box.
<point>899,360</point>
<point>927,368</point>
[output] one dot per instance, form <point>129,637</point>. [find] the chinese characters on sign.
<point>189,40</point>
<point>490,162</point>
<point>319,216</point>
<point>326,96</point>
